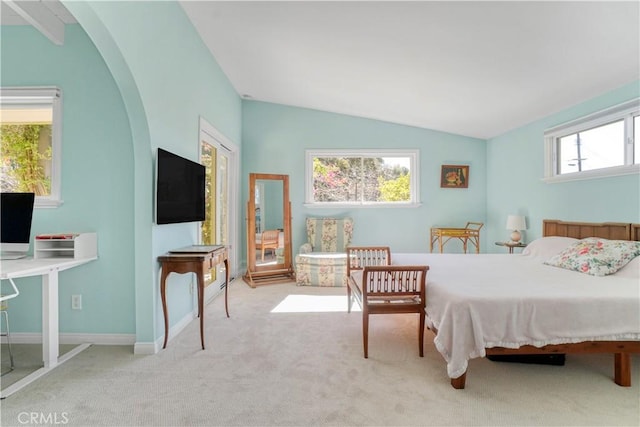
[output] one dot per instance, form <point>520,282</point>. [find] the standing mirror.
<point>269,258</point>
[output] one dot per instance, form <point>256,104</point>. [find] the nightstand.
<point>512,245</point>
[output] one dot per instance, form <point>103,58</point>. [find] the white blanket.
<point>495,300</point>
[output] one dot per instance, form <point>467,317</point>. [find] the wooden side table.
<point>193,259</point>
<point>511,245</point>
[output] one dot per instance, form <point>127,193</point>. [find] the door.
<point>219,228</point>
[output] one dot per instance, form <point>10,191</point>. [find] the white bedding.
<point>495,300</point>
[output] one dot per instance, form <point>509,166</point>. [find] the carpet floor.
<point>292,356</point>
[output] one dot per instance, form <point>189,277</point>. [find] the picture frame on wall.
<point>454,176</point>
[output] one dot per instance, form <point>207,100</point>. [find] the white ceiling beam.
<point>41,17</point>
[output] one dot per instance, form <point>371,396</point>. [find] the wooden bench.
<point>381,288</point>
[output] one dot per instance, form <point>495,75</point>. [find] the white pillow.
<point>548,246</point>
<point>631,270</point>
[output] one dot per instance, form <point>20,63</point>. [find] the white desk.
<point>48,269</point>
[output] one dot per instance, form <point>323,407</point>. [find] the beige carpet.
<point>284,358</point>
<point>27,359</point>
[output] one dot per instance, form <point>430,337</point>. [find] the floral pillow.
<point>595,256</point>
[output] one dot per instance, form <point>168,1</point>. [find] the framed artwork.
<point>454,176</point>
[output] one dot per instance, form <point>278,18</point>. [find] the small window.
<point>30,146</point>
<point>599,145</point>
<point>597,148</point>
<point>362,178</point>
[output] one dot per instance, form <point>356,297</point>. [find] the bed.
<point>501,304</point>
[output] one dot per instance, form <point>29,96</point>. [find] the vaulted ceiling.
<point>471,68</point>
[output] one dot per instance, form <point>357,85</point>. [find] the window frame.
<point>49,95</point>
<point>625,111</point>
<point>414,177</point>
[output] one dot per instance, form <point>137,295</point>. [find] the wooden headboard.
<point>580,230</point>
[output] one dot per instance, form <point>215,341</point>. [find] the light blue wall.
<point>168,80</point>
<point>515,167</point>
<point>163,79</point>
<point>97,171</point>
<point>275,138</point>
<point>144,85</point>
<point>273,202</point>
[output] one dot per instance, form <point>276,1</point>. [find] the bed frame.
<point>621,350</point>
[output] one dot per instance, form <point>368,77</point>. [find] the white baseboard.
<point>72,338</point>
<point>144,348</point>
<point>155,346</point>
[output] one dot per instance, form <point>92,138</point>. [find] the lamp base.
<point>515,236</point>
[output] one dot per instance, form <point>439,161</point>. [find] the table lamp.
<point>515,223</point>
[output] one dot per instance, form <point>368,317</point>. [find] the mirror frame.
<point>267,274</point>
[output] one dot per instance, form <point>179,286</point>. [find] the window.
<point>601,144</point>
<point>30,120</point>
<point>361,178</point>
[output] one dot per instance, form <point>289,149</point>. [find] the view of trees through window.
<point>208,159</point>
<point>361,179</point>
<point>30,142</point>
<point>25,151</point>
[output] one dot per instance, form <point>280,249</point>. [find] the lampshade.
<point>516,223</point>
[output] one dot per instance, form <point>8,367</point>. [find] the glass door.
<point>217,228</point>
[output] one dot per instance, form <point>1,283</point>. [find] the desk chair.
<point>4,313</point>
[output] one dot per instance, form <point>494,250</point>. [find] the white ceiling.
<point>48,16</point>
<point>470,68</point>
<point>9,15</point>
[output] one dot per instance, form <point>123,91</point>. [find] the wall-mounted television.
<point>180,189</point>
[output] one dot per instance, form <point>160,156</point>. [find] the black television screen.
<point>180,189</point>
<point>16,212</point>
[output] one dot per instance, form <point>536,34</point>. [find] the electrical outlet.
<point>76,302</point>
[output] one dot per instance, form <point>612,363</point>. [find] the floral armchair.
<point>322,261</point>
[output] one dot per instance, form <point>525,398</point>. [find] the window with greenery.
<point>30,120</point>
<point>362,177</point>
<point>601,144</point>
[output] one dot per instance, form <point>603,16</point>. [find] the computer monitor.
<point>16,213</point>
